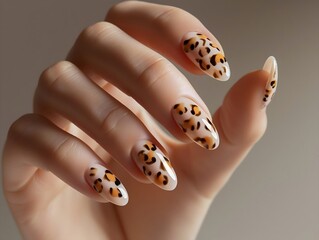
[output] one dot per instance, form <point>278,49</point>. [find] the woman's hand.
<point>92,118</point>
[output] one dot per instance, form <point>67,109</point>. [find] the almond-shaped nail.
<point>271,67</point>
<point>206,55</point>
<point>195,123</point>
<point>104,182</point>
<point>155,165</point>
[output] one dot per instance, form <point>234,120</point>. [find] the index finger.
<point>174,33</point>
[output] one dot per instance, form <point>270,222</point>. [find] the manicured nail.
<point>195,124</point>
<point>106,184</point>
<point>155,165</point>
<point>271,67</point>
<point>206,55</point>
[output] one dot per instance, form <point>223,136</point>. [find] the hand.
<point>92,118</point>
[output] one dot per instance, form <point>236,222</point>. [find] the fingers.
<point>149,78</point>
<point>241,121</point>
<point>65,90</point>
<point>34,142</point>
<point>172,32</point>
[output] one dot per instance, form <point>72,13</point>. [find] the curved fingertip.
<point>106,184</point>
<point>206,55</point>
<point>155,165</point>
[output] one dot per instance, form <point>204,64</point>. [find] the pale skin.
<point>45,157</point>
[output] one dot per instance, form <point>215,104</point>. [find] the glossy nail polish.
<point>271,67</point>
<point>206,55</point>
<point>195,124</point>
<point>155,165</point>
<point>104,182</point>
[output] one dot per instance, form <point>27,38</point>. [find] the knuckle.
<point>65,148</point>
<point>19,126</point>
<point>169,15</point>
<point>95,32</point>
<point>153,73</point>
<point>114,10</point>
<point>112,118</point>
<point>50,83</point>
<point>119,7</point>
<point>56,72</point>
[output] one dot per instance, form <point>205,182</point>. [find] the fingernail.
<point>271,67</point>
<point>155,165</point>
<point>195,123</point>
<point>104,182</point>
<point>206,55</point>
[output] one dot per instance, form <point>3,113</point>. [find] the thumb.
<point>241,121</point>
<point>242,116</point>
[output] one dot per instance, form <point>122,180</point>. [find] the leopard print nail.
<point>271,67</point>
<point>104,182</point>
<point>155,165</point>
<point>195,124</point>
<point>206,55</point>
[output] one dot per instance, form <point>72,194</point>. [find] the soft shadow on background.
<point>275,192</point>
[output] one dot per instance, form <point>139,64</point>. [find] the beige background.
<point>275,192</point>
